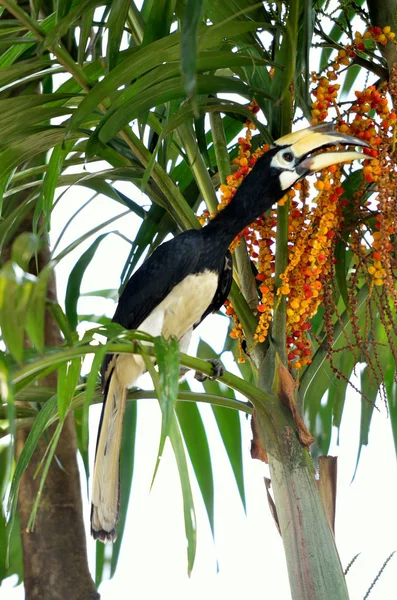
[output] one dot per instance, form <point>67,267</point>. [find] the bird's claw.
<point>217,370</point>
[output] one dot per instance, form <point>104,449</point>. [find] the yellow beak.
<point>302,143</point>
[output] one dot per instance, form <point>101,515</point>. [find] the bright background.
<point>247,559</point>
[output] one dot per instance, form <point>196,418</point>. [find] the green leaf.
<point>188,504</point>
<point>147,58</point>
<point>127,459</point>
<point>85,236</point>
<point>162,92</point>
<point>115,26</point>
<point>167,358</point>
<point>341,269</point>
<point>81,434</point>
<point>11,560</point>
<point>35,317</point>
<point>228,422</point>
<point>190,25</point>
<point>91,384</point>
<point>29,146</point>
<point>46,198</point>
<point>196,441</point>
<point>39,425</point>
<point>141,61</point>
<point>24,247</point>
<point>158,20</point>
<point>75,279</point>
<point>47,459</point>
<point>352,73</point>
<point>15,293</point>
<point>62,321</point>
<point>100,562</point>
<point>8,397</point>
<point>68,377</point>
<point>77,9</point>
<point>369,389</point>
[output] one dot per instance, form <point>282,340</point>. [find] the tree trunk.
<point>55,553</point>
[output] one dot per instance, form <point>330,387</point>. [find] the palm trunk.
<point>314,568</point>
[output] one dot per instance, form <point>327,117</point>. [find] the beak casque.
<point>306,141</point>
<point>326,159</point>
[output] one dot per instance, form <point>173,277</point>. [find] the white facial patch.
<point>288,178</point>
<point>284,161</point>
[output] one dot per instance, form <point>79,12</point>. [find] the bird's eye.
<point>288,156</point>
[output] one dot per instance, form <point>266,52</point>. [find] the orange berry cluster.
<point>313,226</point>
<point>237,332</point>
<point>372,121</point>
<point>381,36</point>
<point>373,99</point>
<point>264,227</point>
<point>326,94</point>
<point>385,226</point>
<point>312,234</point>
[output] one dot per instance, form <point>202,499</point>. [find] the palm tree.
<point>92,93</point>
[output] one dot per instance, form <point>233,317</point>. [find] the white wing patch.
<point>174,316</point>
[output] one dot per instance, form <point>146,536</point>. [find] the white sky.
<point>248,548</point>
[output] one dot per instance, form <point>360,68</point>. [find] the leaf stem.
<point>196,364</point>
<point>196,163</point>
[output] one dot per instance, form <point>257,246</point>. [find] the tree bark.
<point>382,14</point>
<point>55,553</point>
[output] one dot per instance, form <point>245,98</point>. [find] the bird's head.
<point>295,155</point>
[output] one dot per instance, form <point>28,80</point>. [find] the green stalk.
<point>289,45</point>
<point>198,167</point>
<point>220,146</point>
<point>243,295</point>
<point>54,359</point>
<point>136,22</point>
<point>313,563</point>
<point>314,568</point>
<point>31,394</point>
<point>177,205</point>
<point>279,329</point>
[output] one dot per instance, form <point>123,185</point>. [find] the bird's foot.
<point>217,370</point>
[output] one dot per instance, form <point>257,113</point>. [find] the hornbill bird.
<point>186,279</point>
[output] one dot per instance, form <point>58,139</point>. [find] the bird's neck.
<point>253,197</point>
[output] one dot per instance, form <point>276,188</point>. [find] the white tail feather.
<point>123,373</point>
<point>105,487</point>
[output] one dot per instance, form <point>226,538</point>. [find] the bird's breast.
<point>182,307</point>
<point>174,316</point>
<point>187,302</point>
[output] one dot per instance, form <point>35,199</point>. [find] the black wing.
<point>223,289</point>
<point>169,264</point>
